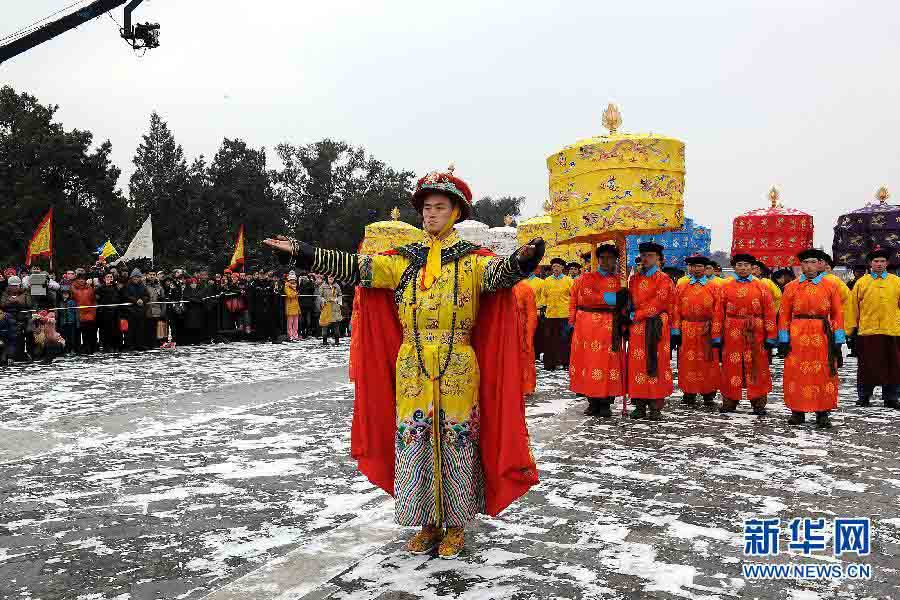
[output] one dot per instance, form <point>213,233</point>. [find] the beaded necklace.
<point>415,319</point>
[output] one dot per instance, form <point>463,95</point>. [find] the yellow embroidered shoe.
<point>425,541</point>
<point>453,542</point>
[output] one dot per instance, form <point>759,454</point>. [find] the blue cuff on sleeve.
<point>783,336</point>
<point>631,315</point>
<point>840,337</point>
<point>717,340</point>
<point>676,331</point>
<point>772,341</point>
<point>609,298</point>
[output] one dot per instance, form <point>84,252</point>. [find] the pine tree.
<point>240,192</point>
<point>492,212</point>
<point>331,190</point>
<point>161,186</point>
<point>43,165</point>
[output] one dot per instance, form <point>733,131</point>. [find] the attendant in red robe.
<point>744,330</point>
<point>810,334</point>
<point>597,366</point>
<point>527,309</point>
<point>649,369</point>
<point>697,301</point>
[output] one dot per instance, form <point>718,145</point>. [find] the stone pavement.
<point>639,510</point>
<point>251,494</point>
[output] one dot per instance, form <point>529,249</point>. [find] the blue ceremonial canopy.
<point>690,239</point>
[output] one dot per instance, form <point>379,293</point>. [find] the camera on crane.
<point>142,35</point>
<point>146,35</point>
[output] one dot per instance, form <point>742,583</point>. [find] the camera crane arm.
<point>144,35</point>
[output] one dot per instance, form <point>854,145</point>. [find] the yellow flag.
<point>237,259</point>
<point>41,243</point>
<point>107,250</point>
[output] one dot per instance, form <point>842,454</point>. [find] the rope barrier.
<point>133,304</point>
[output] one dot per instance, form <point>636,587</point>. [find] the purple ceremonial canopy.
<point>859,231</point>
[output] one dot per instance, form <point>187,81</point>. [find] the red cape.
<point>509,467</point>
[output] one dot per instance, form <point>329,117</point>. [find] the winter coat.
<point>174,293</point>
<point>84,295</point>
<point>107,294</point>
<point>132,293</point>
<point>68,316</point>
<point>16,304</point>
<point>330,299</point>
<point>291,304</point>
<point>262,300</point>
<point>156,293</point>
<point>306,291</point>
<point>8,331</point>
<point>195,312</point>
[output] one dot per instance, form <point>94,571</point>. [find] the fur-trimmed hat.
<point>696,259</point>
<point>558,261</point>
<point>444,182</point>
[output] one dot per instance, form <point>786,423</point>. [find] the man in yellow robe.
<point>557,288</point>
<point>438,480</point>
<point>874,326</point>
<point>826,266</point>
<point>536,283</point>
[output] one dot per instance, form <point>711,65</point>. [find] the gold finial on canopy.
<point>882,194</point>
<point>773,196</point>
<point>451,167</point>
<point>395,214</point>
<point>612,118</point>
<point>546,205</point>
<point>508,219</point>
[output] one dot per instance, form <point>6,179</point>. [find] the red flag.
<point>41,243</point>
<point>237,259</point>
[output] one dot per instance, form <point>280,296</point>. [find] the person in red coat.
<point>597,366</point>
<point>697,301</point>
<point>810,334</point>
<point>744,330</point>
<point>649,370</point>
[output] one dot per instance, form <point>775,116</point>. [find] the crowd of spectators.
<point>109,309</point>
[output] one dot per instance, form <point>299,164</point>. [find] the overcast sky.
<point>803,95</point>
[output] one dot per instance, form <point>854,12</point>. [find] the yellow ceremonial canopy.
<point>610,186</point>
<point>542,226</point>
<point>384,235</point>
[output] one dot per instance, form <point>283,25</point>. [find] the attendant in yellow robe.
<point>557,288</point>
<point>536,283</point>
<point>826,267</point>
<point>438,480</point>
<point>713,273</point>
<point>874,327</point>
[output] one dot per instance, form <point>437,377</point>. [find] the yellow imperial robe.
<point>537,285</point>
<point>556,296</point>
<point>776,292</point>
<point>430,315</point>
<point>843,292</point>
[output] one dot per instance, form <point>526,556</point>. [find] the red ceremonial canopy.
<point>773,235</point>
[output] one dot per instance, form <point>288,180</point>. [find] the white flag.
<point>141,246</point>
